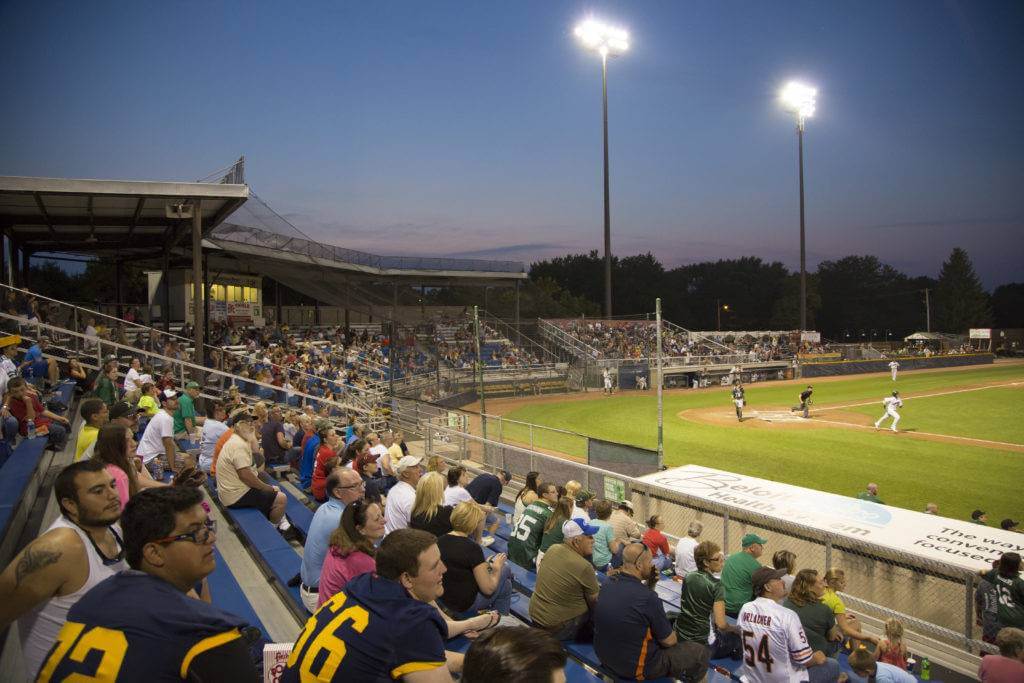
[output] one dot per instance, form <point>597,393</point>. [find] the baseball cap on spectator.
<point>322,425</point>
<point>1008,524</point>
<point>578,527</point>
<point>751,539</point>
<point>976,515</point>
<point>763,575</point>
<point>123,409</point>
<point>192,385</point>
<point>407,462</point>
<point>584,496</point>
<point>168,395</point>
<point>626,505</point>
<point>243,413</point>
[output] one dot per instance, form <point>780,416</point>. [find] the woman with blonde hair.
<point>835,582</point>
<point>472,583</point>
<point>891,649</point>
<point>429,512</point>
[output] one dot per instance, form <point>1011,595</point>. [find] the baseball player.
<point>739,399</point>
<point>893,367</point>
<point>774,643</point>
<point>891,403</point>
<point>805,402</point>
<point>607,377</point>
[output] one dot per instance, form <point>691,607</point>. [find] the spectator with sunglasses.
<point>344,487</point>
<point>353,547</point>
<point>79,550</point>
<point>143,620</point>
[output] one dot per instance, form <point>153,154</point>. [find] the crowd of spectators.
<point>454,343</point>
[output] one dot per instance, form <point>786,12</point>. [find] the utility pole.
<point>660,380</point>
<point>927,312</point>
<point>480,366</point>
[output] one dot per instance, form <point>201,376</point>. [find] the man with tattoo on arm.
<point>81,548</point>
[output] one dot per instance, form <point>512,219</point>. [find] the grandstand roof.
<point>108,217</point>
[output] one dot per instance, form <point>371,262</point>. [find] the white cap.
<point>406,462</point>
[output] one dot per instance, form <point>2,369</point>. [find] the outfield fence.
<point>934,600</point>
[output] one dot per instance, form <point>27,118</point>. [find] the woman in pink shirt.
<point>657,543</point>
<point>115,447</point>
<point>352,547</point>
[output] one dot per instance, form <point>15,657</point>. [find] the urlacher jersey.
<point>775,648</point>
<point>372,630</point>
<point>137,627</point>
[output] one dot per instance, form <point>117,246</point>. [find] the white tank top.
<point>39,628</point>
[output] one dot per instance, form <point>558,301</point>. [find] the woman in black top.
<point>428,511</point>
<point>472,583</point>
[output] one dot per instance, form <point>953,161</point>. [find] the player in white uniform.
<point>891,403</point>
<point>775,648</point>
<point>894,366</point>
<point>607,376</point>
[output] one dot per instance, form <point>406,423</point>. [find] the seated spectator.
<point>835,581</point>
<point>396,451</point>
<point>115,448</point>
<point>472,583</point>
<point>106,387</point>
<point>149,402</point>
<point>213,428</point>
<point>738,572</point>
<point>584,505</point>
<point>436,463</point>
<point>871,494</point>
<point>553,525</point>
<point>1010,587</point>
<point>567,588</point>
<point>273,439</point>
<point>891,649</point>
<point>429,512</point>
<point>133,381</point>
<point>326,459</point>
<point>573,489</point>
<point>77,373</point>
<point>525,497</point>
<point>785,647</point>
<point>352,548</point>
<point>402,496</point>
<point>979,517</point>
<point>684,549</point>
<point>629,615</point>
<point>401,634</point>
<point>35,364</point>
<point>864,665</point>
<point>186,421</point>
<point>94,414</point>
<point>124,415</point>
<point>162,631</point>
<point>344,487</point>
<point>24,405</point>
<point>817,619</point>
<point>604,543</point>
<point>239,484</point>
<point>785,559</point>
<point>1009,524</point>
<point>366,465</point>
<point>524,543</point>
<point>309,450</point>
<point>657,543</point>
<point>486,489</point>
<point>79,550</point>
<point>514,655</point>
<point>1008,665</point>
<point>456,492</point>
<point>702,605</point>
<point>624,529</point>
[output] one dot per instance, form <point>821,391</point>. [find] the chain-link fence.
<point>934,600</point>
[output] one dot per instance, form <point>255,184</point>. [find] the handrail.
<point>498,323</point>
<point>576,346</point>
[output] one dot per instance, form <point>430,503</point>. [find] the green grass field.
<point>910,469</point>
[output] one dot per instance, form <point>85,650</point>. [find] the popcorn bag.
<point>275,657</point>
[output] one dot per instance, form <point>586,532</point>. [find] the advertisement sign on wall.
<point>981,333</point>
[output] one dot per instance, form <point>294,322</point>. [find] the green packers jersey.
<point>526,537</point>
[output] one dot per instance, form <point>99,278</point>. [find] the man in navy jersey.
<point>381,626</point>
<point>140,624</point>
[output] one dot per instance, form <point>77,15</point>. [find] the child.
<point>891,649</point>
<point>864,665</point>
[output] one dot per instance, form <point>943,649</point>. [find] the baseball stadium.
<point>286,438</point>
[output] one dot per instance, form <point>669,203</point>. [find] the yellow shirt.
<point>834,602</point>
<point>148,405</point>
<point>86,437</point>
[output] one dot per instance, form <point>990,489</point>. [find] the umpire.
<point>805,402</point>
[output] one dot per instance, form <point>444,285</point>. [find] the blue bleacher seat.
<point>226,594</point>
<point>298,514</point>
<point>584,652</point>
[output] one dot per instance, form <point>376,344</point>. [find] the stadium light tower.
<point>607,41</point>
<point>800,100</point>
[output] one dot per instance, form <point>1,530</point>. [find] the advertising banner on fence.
<point>963,544</point>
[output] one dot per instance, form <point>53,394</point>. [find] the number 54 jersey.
<point>775,648</point>
<point>372,630</point>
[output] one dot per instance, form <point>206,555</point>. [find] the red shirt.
<point>319,485</point>
<point>19,411</point>
<point>655,541</point>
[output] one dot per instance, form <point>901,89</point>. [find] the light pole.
<point>607,41</point>
<point>718,311</point>
<point>799,99</point>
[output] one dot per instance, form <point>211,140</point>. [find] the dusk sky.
<point>474,128</point>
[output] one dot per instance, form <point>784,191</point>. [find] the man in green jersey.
<point>525,540</point>
<point>737,580</point>
<point>702,601</point>
<point>185,418</point>
<point>1010,588</point>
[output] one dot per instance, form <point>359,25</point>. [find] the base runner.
<point>891,403</point>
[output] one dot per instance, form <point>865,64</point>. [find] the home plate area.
<point>776,416</point>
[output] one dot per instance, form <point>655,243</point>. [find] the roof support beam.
<point>135,216</point>
<point>44,212</point>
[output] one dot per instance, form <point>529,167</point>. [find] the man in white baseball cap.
<point>402,495</point>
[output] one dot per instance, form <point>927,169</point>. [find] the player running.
<point>739,399</point>
<point>894,367</point>
<point>774,643</point>
<point>891,403</point>
<point>805,402</point>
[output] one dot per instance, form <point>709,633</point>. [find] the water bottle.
<point>30,429</point>
<point>926,669</point>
